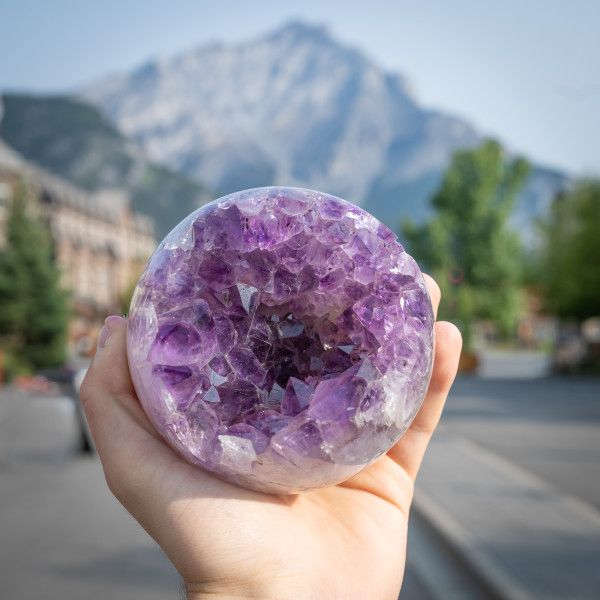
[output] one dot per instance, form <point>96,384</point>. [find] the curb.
<point>474,548</point>
<point>491,576</point>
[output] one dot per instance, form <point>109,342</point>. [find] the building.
<point>100,244</point>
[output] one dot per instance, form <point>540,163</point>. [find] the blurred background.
<point>472,130</point>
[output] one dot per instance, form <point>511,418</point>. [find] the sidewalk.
<point>523,538</point>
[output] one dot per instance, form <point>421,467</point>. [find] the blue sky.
<point>525,71</point>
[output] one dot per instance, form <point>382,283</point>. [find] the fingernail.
<point>110,324</point>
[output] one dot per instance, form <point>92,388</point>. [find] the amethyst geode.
<point>281,338</point>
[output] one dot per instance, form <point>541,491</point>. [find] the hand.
<point>343,542</point>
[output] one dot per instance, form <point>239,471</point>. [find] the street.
<point>62,535</point>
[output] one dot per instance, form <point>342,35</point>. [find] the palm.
<point>221,536</point>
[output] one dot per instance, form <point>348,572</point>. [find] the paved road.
<point>62,535</point>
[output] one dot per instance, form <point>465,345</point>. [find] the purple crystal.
<point>296,397</point>
<point>281,338</point>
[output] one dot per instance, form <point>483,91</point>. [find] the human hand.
<point>343,542</point>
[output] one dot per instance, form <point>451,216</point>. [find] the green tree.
<point>467,244</point>
<point>569,266</point>
<point>34,309</point>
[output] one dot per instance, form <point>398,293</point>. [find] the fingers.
<point>410,450</point>
<point>434,292</point>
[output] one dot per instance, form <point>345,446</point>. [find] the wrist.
<point>197,592</point>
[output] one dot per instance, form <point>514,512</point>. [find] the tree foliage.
<point>467,244</point>
<point>569,269</point>
<point>33,308</point>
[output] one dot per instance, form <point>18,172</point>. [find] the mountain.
<point>296,107</point>
<point>72,139</point>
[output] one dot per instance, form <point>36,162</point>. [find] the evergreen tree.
<point>33,308</point>
<point>569,269</point>
<point>467,245</point>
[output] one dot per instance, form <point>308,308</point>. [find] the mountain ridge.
<point>296,99</point>
<point>291,107</point>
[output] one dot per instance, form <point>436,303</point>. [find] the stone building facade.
<point>100,244</point>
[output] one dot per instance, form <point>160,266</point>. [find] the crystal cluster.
<point>281,338</point>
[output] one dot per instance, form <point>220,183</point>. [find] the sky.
<point>526,71</point>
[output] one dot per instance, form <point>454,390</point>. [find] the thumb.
<point>109,368</point>
<point>107,394</point>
